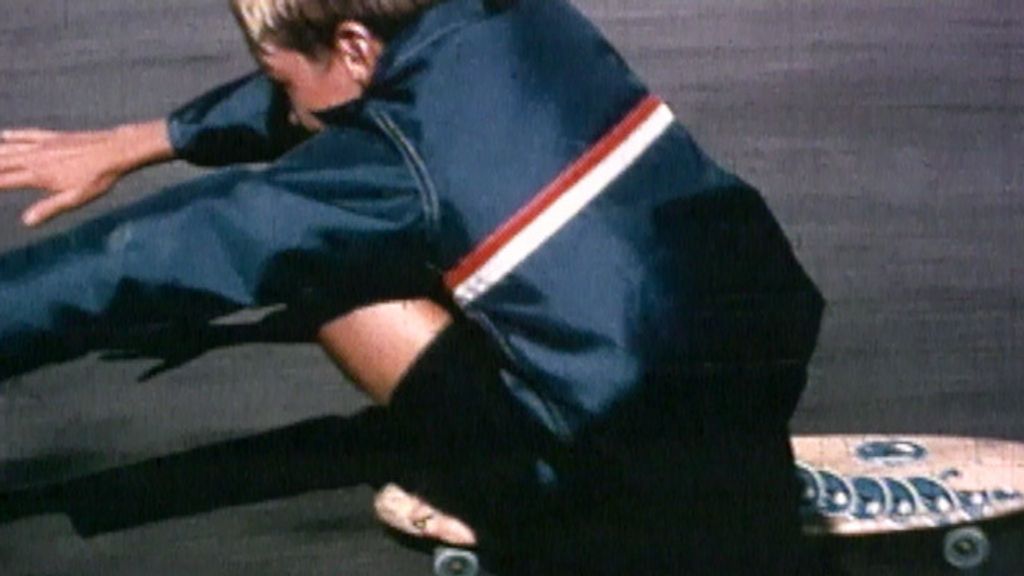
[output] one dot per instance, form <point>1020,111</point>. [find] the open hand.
<point>75,168</point>
<point>72,168</point>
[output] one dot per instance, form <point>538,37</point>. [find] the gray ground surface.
<point>888,136</point>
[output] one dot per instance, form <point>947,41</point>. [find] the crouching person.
<point>590,336</point>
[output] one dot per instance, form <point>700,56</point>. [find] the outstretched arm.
<point>243,121</point>
<point>327,238</point>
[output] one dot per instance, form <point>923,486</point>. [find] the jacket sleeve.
<point>312,231</point>
<point>243,121</point>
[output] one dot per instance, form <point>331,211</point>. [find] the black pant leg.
<point>666,484</point>
<point>469,448</point>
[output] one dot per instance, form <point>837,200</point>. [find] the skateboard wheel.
<point>966,548</point>
<point>455,562</point>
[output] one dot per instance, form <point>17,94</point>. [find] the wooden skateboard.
<point>907,505</point>
<point>914,504</point>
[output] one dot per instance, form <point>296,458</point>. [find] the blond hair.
<point>309,25</point>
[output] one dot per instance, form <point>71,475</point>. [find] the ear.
<point>358,49</point>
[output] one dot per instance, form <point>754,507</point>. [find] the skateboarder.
<point>591,335</point>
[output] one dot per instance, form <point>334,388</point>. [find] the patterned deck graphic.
<point>846,503</point>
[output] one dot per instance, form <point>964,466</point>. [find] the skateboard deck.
<point>952,499</point>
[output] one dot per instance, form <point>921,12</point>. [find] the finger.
<point>27,135</point>
<point>8,148</point>
<point>49,207</point>
<point>13,161</point>
<point>16,178</point>
<point>7,166</point>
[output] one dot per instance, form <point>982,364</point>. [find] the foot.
<point>412,515</point>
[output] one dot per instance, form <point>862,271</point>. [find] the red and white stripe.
<point>559,202</point>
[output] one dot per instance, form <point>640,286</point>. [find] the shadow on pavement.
<point>319,454</point>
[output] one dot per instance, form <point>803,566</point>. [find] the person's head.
<point>322,52</point>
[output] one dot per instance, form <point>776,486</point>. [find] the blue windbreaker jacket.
<point>504,150</point>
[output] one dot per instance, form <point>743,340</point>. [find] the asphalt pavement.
<point>887,136</point>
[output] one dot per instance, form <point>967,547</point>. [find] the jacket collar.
<point>410,50</point>
<point>411,47</point>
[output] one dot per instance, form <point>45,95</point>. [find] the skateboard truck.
<point>455,562</point>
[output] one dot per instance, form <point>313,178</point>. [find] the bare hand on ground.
<point>413,516</point>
